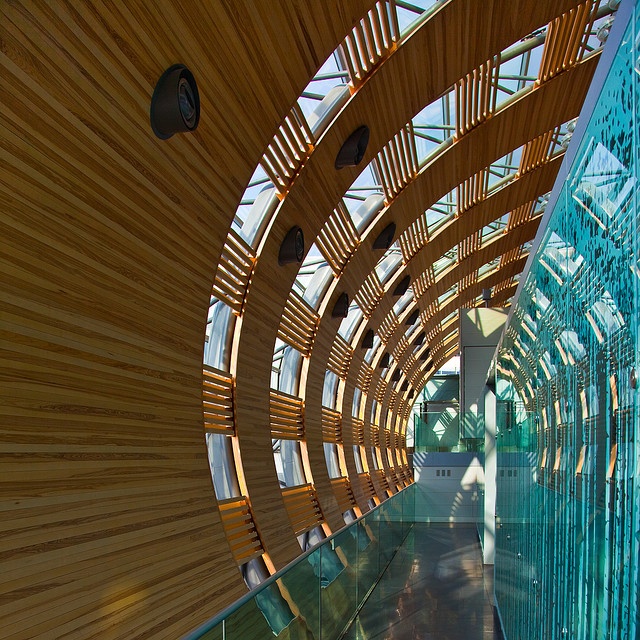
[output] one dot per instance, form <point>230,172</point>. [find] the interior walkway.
<point>435,587</point>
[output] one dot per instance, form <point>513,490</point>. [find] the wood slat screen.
<point>288,151</point>
<point>234,272</point>
<point>388,326</point>
<point>397,162</point>
<point>387,438</point>
<point>366,484</point>
<point>371,40</point>
<point>299,324</point>
<point>358,431</point>
<point>381,389</point>
<point>472,191</point>
<point>520,215</point>
<point>476,96</point>
<point>538,151</point>
<point>343,493</point>
<point>400,349</point>
<point>243,537</point>
<point>393,398</point>
<point>566,40</point>
<point>379,477</point>
<point>469,245</point>
<point>340,357</point>
<point>414,238</point>
<point>286,414</point>
<point>370,294</point>
<point>364,377</point>
<point>331,425</point>
<point>422,283</point>
<point>374,435</point>
<point>302,508</point>
<point>217,401</point>
<point>338,239</point>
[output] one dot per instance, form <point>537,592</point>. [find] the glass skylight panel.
<point>410,12</point>
<point>332,74</point>
<point>389,262</point>
<point>349,324</point>
<point>445,261</point>
<point>494,229</point>
<point>256,207</point>
<point>503,169</point>
<point>403,301</point>
<point>433,125</point>
<point>313,277</point>
<point>369,355</point>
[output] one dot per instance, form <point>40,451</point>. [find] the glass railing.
<point>317,596</point>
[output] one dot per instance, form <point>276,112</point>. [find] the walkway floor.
<point>434,588</point>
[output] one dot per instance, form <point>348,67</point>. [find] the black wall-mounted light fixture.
<point>396,375</point>
<point>175,104</point>
<point>404,387</point>
<point>429,365</point>
<point>412,319</point>
<point>354,148</point>
<point>367,340</point>
<point>402,286</point>
<point>419,341</point>
<point>425,354</point>
<point>384,361</point>
<point>486,297</point>
<point>385,237</point>
<point>341,307</point>
<point>411,393</point>
<point>292,247</point>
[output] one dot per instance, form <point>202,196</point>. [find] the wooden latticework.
<point>538,151</point>
<point>364,377</point>
<point>476,96</point>
<point>331,425</point>
<point>358,431</point>
<point>370,294</point>
<point>469,245</point>
<point>343,493</point>
<point>566,40</point>
<point>520,215</point>
<point>217,401</point>
<point>371,40</point>
<point>234,272</point>
<point>472,191</point>
<point>338,239</point>
<point>286,416</point>
<point>388,326</point>
<point>289,149</point>
<point>242,535</point>
<point>400,349</point>
<point>299,324</point>
<point>380,390</point>
<point>414,238</point>
<point>366,484</point>
<point>340,357</point>
<point>397,162</point>
<point>425,280</point>
<point>302,508</point>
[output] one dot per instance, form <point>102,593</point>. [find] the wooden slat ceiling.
<point>110,242</point>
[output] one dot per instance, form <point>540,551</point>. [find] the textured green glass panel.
<point>568,523</point>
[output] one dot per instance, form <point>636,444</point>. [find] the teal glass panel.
<point>568,519</point>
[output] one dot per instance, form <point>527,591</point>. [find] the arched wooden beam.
<point>314,194</point>
<point>552,105</point>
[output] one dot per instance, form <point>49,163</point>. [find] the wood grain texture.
<point>109,239</point>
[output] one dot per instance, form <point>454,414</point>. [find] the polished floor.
<point>435,587</point>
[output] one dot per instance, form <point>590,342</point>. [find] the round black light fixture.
<point>419,341</point>
<point>367,340</point>
<point>385,360</point>
<point>404,387</point>
<point>292,247</point>
<point>402,286</point>
<point>354,148</point>
<point>396,375</point>
<point>425,354</point>
<point>413,317</point>
<point>341,307</point>
<point>175,105</point>
<point>385,238</point>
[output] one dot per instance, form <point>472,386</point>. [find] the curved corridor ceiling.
<point>116,246</point>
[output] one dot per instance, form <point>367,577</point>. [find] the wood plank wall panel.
<point>109,238</point>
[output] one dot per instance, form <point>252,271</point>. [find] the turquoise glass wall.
<point>568,506</point>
